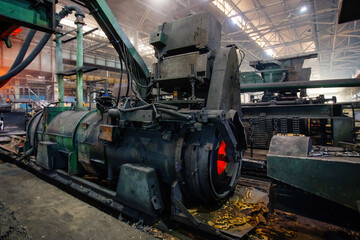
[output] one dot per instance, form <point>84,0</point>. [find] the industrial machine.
<point>178,142</point>
<point>284,107</point>
<point>174,138</point>
<point>277,71</point>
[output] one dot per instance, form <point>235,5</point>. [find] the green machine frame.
<point>334,178</point>
<point>38,15</point>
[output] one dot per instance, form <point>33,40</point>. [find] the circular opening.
<point>221,163</point>
<point>223,173</point>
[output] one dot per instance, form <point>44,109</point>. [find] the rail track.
<point>253,194</point>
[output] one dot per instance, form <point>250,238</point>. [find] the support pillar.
<point>79,62</point>
<point>60,68</point>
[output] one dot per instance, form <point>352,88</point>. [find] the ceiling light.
<point>270,52</point>
<point>303,9</point>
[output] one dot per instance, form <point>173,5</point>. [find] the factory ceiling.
<point>262,28</point>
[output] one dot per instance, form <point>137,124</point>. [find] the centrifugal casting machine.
<point>178,136</point>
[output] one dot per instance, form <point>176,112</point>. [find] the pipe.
<point>27,154</point>
<point>256,104</point>
<point>23,49</point>
<point>135,108</point>
<point>5,78</point>
<point>175,113</point>
<point>285,102</point>
<point>120,82</point>
<point>347,82</point>
<point>162,106</point>
<point>66,10</point>
<point>166,106</point>
<point>15,69</point>
<point>60,68</point>
<point>79,64</point>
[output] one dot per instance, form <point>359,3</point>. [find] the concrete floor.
<point>30,208</point>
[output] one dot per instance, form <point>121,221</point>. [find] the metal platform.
<point>332,176</point>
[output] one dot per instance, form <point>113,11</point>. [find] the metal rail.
<point>105,199</point>
<point>256,87</point>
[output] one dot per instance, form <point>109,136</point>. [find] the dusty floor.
<point>281,225</point>
<point>30,208</point>
<point>33,209</point>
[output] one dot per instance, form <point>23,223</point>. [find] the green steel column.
<point>60,68</point>
<point>79,64</point>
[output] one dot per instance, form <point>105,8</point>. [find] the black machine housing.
<point>179,139</point>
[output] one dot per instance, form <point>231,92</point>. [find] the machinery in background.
<point>285,108</point>
<point>276,71</point>
<point>325,172</point>
<point>17,112</point>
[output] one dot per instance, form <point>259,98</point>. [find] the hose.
<point>27,154</point>
<point>159,105</point>
<point>5,78</point>
<point>121,76</point>
<point>168,111</point>
<point>17,67</point>
<point>177,114</point>
<point>134,108</point>
<point>166,106</point>
<point>23,49</point>
<point>128,83</point>
<point>66,10</point>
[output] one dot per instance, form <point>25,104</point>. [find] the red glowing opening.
<point>221,164</point>
<point>16,32</point>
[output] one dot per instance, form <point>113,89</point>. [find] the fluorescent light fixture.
<point>270,52</point>
<point>303,9</point>
<point>234,20</point>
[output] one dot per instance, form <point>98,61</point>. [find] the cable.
<point>242,56</point>
<point>23,49</point>
<point>177,114</point>
<point>5,78</point>
<point>119,91</point>
<point>127,58</point>
<point>17,67</point>
<point>135,108</point>
<point>128,83</point>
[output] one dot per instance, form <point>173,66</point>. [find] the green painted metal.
<point>158,39</point>
<point>248,78</point>
<point>272,73</point>
<point>55,125</point>
<point>73,167</point>
<point>144,180</point>
<point>79,65</point>
<point>335,179</point>
<point>117,37</point>
<point>60,68</point>
<point>24,13</point>
<point>29,143</point>
<point>52,112</point>
<point>348,82</point>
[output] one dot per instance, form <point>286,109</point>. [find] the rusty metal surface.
<point>108,132</point>
<point>201,31</point>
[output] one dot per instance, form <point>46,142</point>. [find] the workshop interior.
<point>180,119</point>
